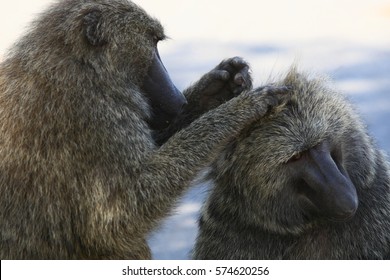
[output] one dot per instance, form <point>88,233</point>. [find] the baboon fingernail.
<point>239,79</point>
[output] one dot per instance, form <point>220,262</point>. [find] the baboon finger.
<point>239,62</point>
<point>233,65</point>
<point>221,75</point>
<point>243,77</point>
<point>272,96</point>
<point>279,91</point>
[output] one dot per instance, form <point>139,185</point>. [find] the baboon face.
<point>292,167</point>
<point>119,41</point>
<point>321,183</point>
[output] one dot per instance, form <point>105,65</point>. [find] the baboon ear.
<point>92,25</point>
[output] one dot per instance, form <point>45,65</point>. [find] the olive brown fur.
<point>307,182</point>
<point>81,176</point>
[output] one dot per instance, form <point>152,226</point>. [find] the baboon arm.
<point>169,170</point>
<point>190,112</point>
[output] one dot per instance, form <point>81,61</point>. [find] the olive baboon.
<point>307,182</point>
<point>80,174</point>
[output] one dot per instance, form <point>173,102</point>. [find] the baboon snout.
<point>326,184</point>
<point>165,99</point>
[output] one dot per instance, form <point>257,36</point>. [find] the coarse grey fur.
<point>252,210</point>
<point>80,174</point>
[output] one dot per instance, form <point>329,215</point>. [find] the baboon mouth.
<point>344,217</point>
<point>310,210</point>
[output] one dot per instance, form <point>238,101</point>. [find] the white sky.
<point>364,22</point>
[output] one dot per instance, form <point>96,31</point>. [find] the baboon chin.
<point>306,182</point>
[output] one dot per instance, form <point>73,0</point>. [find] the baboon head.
<point>299,166</point>
<point>117,40</point>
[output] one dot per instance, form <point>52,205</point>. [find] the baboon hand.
<point>230,78</point>
<point>239,74</point>
<point>267,98</point>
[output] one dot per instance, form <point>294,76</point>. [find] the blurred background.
<point>349,40</point>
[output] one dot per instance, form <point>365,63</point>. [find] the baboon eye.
<point>296,157</point>
<point>156,39</point>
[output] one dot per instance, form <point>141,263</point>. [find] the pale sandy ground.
<point>348,40</point>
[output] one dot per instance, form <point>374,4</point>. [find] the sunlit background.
<point>345,39</point>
